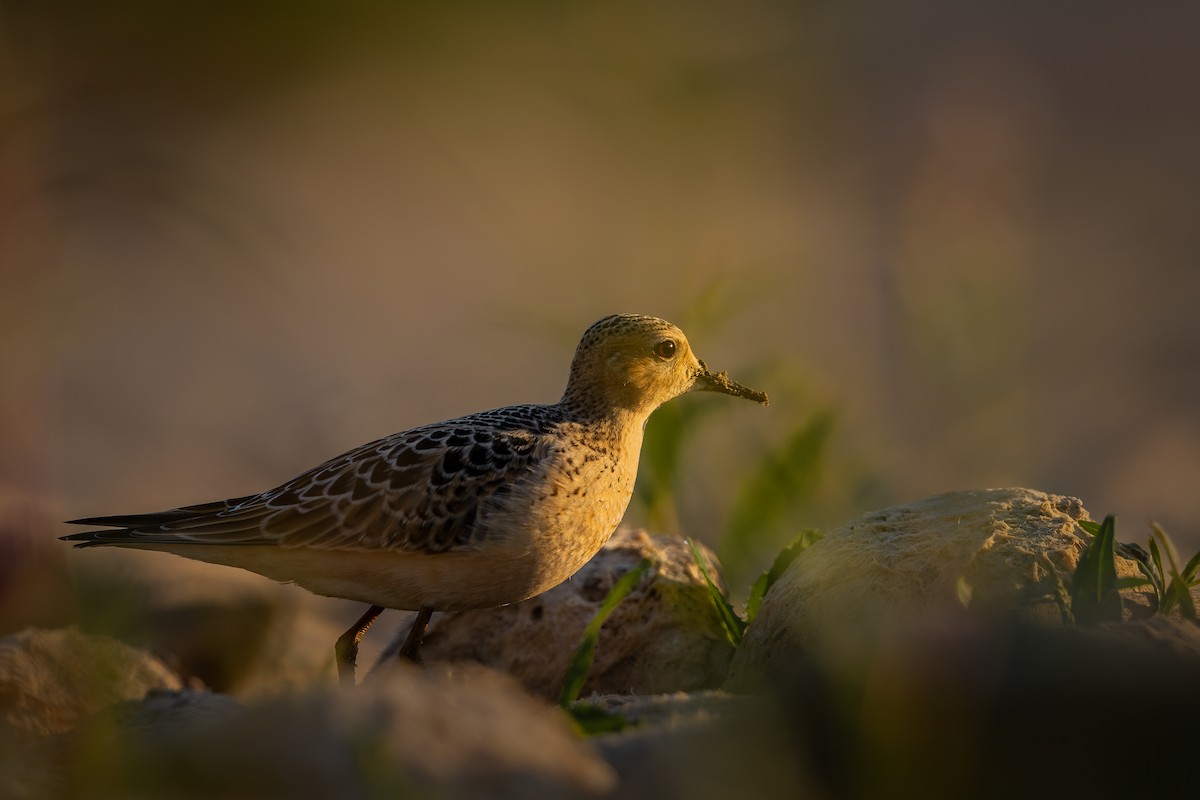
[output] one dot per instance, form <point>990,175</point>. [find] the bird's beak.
<point>707,381</point>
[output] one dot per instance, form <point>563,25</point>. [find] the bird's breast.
<point>573,503</point>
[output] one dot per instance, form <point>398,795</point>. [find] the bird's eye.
<point>665,349</point>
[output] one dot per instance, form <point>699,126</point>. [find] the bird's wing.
<point>420,491</point>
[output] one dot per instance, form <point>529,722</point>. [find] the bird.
<point>474,512</point>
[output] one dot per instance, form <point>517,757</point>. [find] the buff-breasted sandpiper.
<point>474,512</point>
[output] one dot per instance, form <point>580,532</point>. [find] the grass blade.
<point>670,428</point>
<point>1190,569</point>
<point>1161,535</point>
<point>787,555</point>
<point>783,479</point>
<point>731,623</point>
<point>593,720</point>
<point>1178,592</point>
<point>585,655</point>
<point>1160,585</point>
<point>1094,595</point>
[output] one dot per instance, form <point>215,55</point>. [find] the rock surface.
<point>664,637</point>
<point>225,629</point>
<point>990,550</point>
<point>944,692</point>
<point>702,744</point>
<point>50,679</point>
<point>416,734</point>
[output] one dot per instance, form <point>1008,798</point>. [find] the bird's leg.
<point>346,650</point>
<point>412,644</point>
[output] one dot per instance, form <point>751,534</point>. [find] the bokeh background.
<point>957,243</point>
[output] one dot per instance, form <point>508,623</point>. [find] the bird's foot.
<point>345,651</point>
<point>411,649</point>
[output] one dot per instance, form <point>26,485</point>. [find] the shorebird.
<point>474,512</point>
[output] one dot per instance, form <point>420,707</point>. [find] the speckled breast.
<point>587,488</point>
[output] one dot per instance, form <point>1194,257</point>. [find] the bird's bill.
<point>707,381</point>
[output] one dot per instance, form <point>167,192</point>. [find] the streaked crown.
<point>630,363</point>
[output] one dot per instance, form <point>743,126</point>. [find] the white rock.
<point>50,679</point>
<point>664,637</point>
<point>989,550</point>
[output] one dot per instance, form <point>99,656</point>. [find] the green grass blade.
<point>1094,595</point>
<point>731,623</point>
<point>787,555</point>
<point>670,428</point>
<point>1178,591</point>
<point>1089,526</point>
<point>783,479</point>
<point>1167,546</point>
<point>1190,569</point>
<point>1146,565</point>
<point>1151,578</point>
<point>1157,557</point>
<point>585,655</point>
<point>1179,595</point>
<point>1171,596</point>
<point>1160,585</point>
<point>592,720</point>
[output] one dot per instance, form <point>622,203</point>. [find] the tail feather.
<point>163,517</point>
<point>152,527</point>
<point>93,538</point>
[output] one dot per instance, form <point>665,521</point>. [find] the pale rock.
<point>992,551</point>
<point>416,734</point>
<point>664,636</point>
<point>226,629</point>
<point>50,679</point>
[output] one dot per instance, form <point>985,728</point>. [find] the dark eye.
<point>665,349</point>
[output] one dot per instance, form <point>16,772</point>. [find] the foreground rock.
<point>959,706</point>
<point>703,744</point>
<point>51,679</point>
<point>664,637</point>
<point>993,550</point>
<point>417,734</point>
<point>226,629</point>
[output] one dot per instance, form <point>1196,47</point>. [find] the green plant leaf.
<point>592,720</point>
<point>784,477</point>
<point>1190,569</point>
<point>585,655</point>
<point>1178,591</point>
<point>1168,547</point>
<point>1160,585</point>
<point>1155,584</point>
<point>1094,596</point>
<point>669,429</point>
<point>1147,566</point>
<point>1089,526</point>
<point>1156,556</point>
<point>731,623</point>
<point>1175,593</point>
<point>787,555</point>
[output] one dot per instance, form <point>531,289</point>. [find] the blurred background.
<point>956,244</point>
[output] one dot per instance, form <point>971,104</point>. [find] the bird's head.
<point>637,363</point>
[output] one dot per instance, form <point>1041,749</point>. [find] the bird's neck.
<point>595,411</point>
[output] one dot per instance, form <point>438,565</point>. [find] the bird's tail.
<point>135,528</point>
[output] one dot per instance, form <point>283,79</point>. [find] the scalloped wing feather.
<point>428,490</point>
